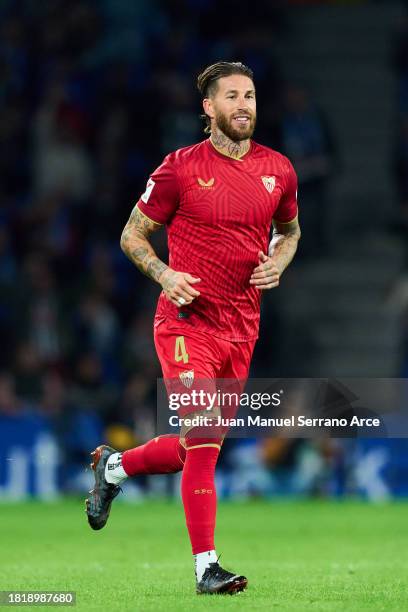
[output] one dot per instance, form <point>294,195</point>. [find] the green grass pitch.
<point>297,555</point>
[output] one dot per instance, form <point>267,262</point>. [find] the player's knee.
<point>196,438</point>
<point>202,428</point>
<point>205,421</point>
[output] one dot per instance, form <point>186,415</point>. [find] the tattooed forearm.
<point>136,246</point>
<point>283,245</point>
<point>139,254</point>
<point>155,268</point>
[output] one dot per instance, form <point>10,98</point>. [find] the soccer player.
<point>218,200</point>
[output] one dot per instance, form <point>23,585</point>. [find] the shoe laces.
<point>112,493</point>
<point>218,572</point>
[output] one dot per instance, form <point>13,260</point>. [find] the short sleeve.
<point>287,208</point>
<point>161,197</point>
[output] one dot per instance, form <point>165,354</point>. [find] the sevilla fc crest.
<point>187,378</point>
<point>269,182</point>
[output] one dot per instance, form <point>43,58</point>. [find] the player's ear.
<point>208,107</point>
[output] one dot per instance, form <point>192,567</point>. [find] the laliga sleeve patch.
<point>147,193</point>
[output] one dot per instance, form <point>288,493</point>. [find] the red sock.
<point>162,455</point>
<point>199,495</point>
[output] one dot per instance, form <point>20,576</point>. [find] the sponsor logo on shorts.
<point>187,378</point>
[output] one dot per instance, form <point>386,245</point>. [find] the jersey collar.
<point>227,157</point>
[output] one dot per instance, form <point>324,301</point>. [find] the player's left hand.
<point>266,275</point>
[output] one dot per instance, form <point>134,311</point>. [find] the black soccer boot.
<point>99,503</point>
<point>218,580</point>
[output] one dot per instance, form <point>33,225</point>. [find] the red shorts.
<point>196,359</point>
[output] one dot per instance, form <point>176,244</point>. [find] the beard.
<point>224,124</point>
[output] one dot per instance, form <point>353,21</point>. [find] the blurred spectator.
<point>39,309</point>
<point>401,172</point>
<point>8,262</point>
<point>61,161</point>
<point>398,301</point>
<point>137,407</point>
<point>10,404</point>
<point>400,61</point>
<point>97,325</point>
<point>305,137</point>
<point>75,428</point>
<point>139,353</point>
<point>400,156</point>
<point>179,126</point>
<point>88,391</point>
<point>297,466</point>
<point>28,369</point>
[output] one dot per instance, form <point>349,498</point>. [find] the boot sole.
<point>96,457</point>
<point>229,589</point>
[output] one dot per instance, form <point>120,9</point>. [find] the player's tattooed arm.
<point>283,245</point>
<point>281,252</point>
<point>135,244</point>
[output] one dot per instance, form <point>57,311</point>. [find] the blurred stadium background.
<point>93,94</point>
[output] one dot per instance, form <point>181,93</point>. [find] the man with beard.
<point>218,200</point>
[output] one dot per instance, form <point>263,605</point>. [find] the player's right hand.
<point>177,287</point>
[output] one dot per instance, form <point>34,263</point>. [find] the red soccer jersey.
<point>218,212</point>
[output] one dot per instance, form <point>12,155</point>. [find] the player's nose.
<point>243,108</point>
<point>239,112</point>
